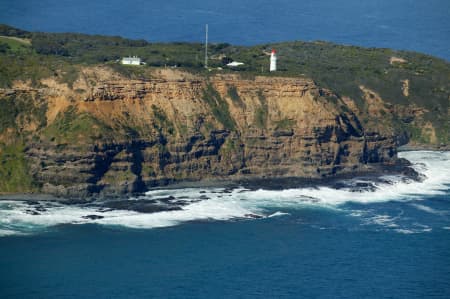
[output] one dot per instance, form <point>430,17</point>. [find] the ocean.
<point>365,238</point>
<point>387,238</point>
<point>422,26</point>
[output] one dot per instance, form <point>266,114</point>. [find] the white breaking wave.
<point>8,232</point>
<point>278,214</point>
<point>428,209</point>
<point>202,204</point>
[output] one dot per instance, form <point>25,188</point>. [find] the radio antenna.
<point>206,46</point>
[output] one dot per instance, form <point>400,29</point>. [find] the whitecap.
<point>278,214</point>
<point>413,230</point>
<point>382,220</point>
<point>428,209</point>
<point>9,232</point>
<point>219,204</point>
<point>405,231</point>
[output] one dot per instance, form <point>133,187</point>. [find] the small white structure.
<point>273,61</point>
<point>235,63</point>
<point>132,60</point>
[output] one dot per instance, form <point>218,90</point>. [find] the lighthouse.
<point>273,61</point>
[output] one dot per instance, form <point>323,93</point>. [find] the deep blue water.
<point>422,26</point>
<point>312,253</point>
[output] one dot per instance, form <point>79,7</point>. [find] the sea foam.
<point>218,204</point>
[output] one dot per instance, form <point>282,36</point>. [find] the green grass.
<point>8,113</point>
<point>262,112</point>
<point>219,107</point>
<point>20,108</point>
<point>14,44</point>
<point>70,127</point>
<point>162,121</point>
<point>234,96</point>
<point>14,172</point>
<point>29,66</point>
<point>69,75</point>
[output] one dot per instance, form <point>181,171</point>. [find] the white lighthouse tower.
<point>273,61</point>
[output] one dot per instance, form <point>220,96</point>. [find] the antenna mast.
<point>206,47</point>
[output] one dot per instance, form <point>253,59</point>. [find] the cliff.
<point>75,123</point>
<point>111,135</point>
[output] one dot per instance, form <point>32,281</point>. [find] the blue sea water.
<point>422,26</point>
<point>389,240</point>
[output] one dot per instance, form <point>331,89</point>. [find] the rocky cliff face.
<point>110,135</point>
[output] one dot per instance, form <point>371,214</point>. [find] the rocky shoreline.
<point>423,147</point>
<point>128,201</point>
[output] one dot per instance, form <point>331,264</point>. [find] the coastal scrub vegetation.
<point>162,121</point>
<point>234,96</point>
<point>219,107</point>
<point>343,69</point>
<point>71,125</point>
<point>17,109</point>
<point>14,171</point>
<point>262,112</point>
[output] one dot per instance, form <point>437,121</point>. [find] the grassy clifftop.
<point>406,79</point>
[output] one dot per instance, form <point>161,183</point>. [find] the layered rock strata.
<point>109,135</point>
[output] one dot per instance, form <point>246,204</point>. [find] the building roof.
<point>235,63</point>
<point>132,58</point>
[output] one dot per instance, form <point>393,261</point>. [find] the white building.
<point>273,61</point>
<point>235,63</point>
<point>132,60</point>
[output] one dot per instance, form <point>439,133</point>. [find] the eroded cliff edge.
<point>109,135</point>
